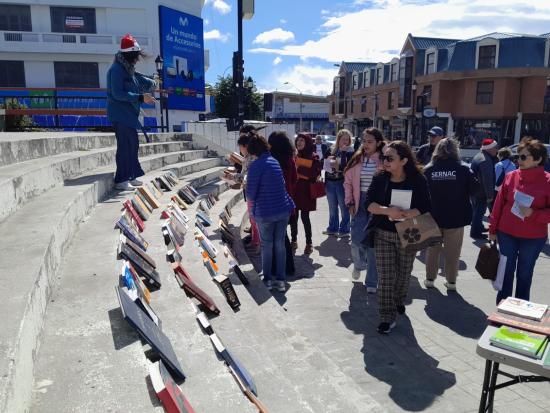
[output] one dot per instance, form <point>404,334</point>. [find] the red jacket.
<point>534,182</point>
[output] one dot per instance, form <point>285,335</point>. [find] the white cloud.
<point>275,35</point>
<point>206,22</point>
<point>216,35</point>
<point>277,60</point>
<point>324,12</point>
<point>378,33</point>
<point>219,5</point>
<point>282,21</point>
<point>311,80</point>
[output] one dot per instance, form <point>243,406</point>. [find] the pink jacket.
<point>352,181</point>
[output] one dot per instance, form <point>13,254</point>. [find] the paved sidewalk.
<point>429,361</point>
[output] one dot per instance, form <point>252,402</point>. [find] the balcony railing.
<point>74,38</point>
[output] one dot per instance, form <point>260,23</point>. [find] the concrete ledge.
<point>32,247</point>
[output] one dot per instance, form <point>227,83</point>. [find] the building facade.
<point>490,86</point>
<point>71,43</point>
<point>313,111</point>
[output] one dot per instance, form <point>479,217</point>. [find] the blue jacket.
<point>265,187</point>
<point>125,94</point>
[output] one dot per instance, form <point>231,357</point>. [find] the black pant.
<point>294,226</point>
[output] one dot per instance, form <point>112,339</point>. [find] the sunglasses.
<point>385,158</point>
<point>524,157</point>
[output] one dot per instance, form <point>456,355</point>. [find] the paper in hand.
<point>521,199</point>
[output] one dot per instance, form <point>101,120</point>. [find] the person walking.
<point>393,263</point>
<point>519,220</point>
<point>424,155</point>
<point>451,184</point>
<point>503,166</point>
<point>359,173</point>
<point>271,208</point>
<point>483,166</point>
<point>283,152</point>
<point>338,157</point>
<point>127,89</point>
<point>308,168</point>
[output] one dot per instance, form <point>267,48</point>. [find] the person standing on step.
<point>393,262</point>
<point>483,166</point>
<point>308,168</point>
<point>271,208</point>
<point>451,184</point>
<point>126,91</point>
<point>359,173</point>
<point>283,152</point>
<point>338,157</point>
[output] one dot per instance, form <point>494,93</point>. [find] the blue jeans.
<point>127,147</point>
<point>363,257</point>
<point>479,206</point>
<point>524,252</point>
<point>335,198</point>
<point>272,236</point>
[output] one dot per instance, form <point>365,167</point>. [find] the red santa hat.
<point>129,44</point>
<point>488,144</point>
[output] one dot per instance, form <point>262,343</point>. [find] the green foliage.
<point>224,93</point>
<point>16,123</point>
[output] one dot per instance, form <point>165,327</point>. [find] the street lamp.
<point>159,64</point>
<point>412,135</point>
<point>288,83</point>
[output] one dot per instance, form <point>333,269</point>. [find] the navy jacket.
<point>124,95</point>
<point>451,184</point>
<point>265,187</point>
<point>483,166</point>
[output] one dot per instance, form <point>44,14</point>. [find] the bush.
<point>16,123</point>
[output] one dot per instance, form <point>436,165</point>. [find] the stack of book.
<point>525,327</point>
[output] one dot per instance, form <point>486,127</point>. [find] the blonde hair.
<point>339,136</point>
<point>446,148</point>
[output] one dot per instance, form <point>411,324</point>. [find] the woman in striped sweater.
<point>357,179</point>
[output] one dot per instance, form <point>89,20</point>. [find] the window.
<point>360,81</point>
<point>430,63</point>
<point>15,18</point>
<point>366,78</point>
<point>73,20</point>
<point>405,81</point>
<point>12,73</point>
<point>487,57</point>
<point>379,75</point>
<point>427,93</point>
<point>333,108</point>
<point>484,95</point>
<point>363,103</point>
<point>351,102</point>
<point>393,72</point>
<point>355,84</point>
<point>76,74</point>
<point>390,100</point>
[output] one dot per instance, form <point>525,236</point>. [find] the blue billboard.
<point>182,48</point>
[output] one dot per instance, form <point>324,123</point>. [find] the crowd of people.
<point>284,180</point>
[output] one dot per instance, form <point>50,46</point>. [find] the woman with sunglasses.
<point>520,217</point>
<point>393,263</point>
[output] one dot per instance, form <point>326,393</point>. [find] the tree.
<point>224,93</point>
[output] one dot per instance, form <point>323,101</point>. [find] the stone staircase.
<point>66,345</point>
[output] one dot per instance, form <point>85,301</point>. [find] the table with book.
<point>517,337</point>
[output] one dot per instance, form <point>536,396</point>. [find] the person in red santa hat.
<point>126,91</point>
<point>483,166</point>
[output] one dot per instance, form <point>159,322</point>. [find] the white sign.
<point>429,112</point>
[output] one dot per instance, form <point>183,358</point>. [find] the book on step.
<point>520,341</point>
<point>522,308</point>
<point>167,390</point>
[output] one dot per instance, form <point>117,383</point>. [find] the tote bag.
<point>419,233</point>
<point>317,190</point>
<point>487,261</point>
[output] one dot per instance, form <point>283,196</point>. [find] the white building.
<point>71,43</point>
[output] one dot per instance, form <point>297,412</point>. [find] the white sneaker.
<point>355,274</point>
<point>371,290</point>
<point>343,235</point>
<point>450,286</point>
<point>428,283</point>
<point>136,182</point>
<point>123,186</point>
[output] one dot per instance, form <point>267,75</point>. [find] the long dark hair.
<point>404,151</point>
<point>281,148</point>
<point>257,145</point>
<point>358,155</point>
<point>309,149</point>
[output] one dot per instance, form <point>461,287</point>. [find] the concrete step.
<point>103,366</point>
<point>21,147</point>
<point>19,183</point>
<point>33,244</point>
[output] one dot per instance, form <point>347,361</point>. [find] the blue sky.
<point>299,41</point>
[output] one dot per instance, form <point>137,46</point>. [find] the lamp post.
<point>413,112</point>
<point>288,83</point>
<point>546,106</point>
<point>159,63</point>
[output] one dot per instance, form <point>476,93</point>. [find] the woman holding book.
<point>308,168</point>
<point>520,217</point>
<point>393,263</point>
<point>359,173</point>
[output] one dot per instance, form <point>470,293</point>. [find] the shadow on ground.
<point>413,376</point>
<point>336,248</point>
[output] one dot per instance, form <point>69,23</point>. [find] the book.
<point>186,196</point>
<point>167,390</point>
<point>141,266</point>
<point>193,190</point>
<point>173,255</point>
<point>138,251</point>
<point>541,327</point>
<point>155,188</point>
<point>180,271</point>
<point>150,332</point>
<point>140,208</point>
<point>151,199</point>
<point>237,270</point>
<point>180,202</point>
<point>199,225</point>
<point>519,341</point>
<point>140,285</point>
<point>164,184</point>
<point>546,361</point>
<point>205,220</point>
<point>131,233</point>
<point>144,201</point>
<point>193,290</point>
<point>228,291</point>
<point>135,216</point>
<point>401,198</point>
<point>303,163</point>
<point>141,303</point>
<point>522,308</point>
<point>172,175</point>
<point>235,157</point>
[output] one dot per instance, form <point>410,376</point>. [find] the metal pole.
<point>161,102</point>
<point>240,73</point>
<point>166,109</point>
<point>301,129</point>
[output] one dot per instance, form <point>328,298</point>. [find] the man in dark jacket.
<point>425,152</point>
<point>321,148</point>
<point>483,166</point>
